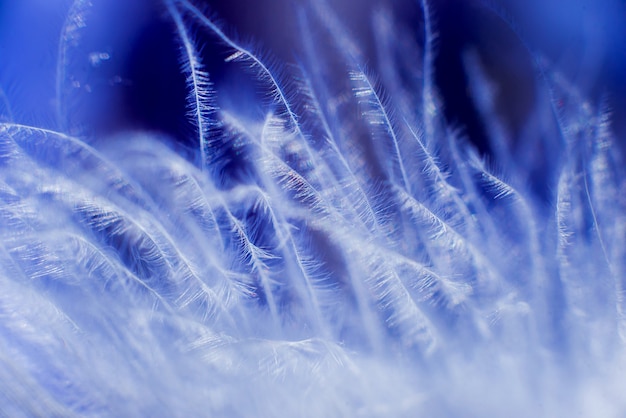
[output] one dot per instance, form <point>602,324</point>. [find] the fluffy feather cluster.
<point>345,253</point>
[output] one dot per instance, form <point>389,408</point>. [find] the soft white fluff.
<point>344,254</point>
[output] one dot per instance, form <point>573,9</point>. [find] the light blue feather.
<point>340,251</point>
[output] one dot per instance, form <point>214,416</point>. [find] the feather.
<point>201,103</point>
<point>338,250</point>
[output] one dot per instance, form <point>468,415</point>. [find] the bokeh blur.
<point>130,75</point>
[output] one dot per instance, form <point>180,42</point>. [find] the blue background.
<point>140,86</point>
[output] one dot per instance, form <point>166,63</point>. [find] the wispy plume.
<point>341,250</point>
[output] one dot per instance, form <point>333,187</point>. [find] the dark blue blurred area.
<point>132,78</point>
